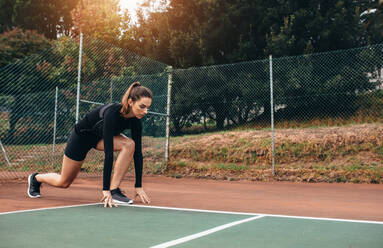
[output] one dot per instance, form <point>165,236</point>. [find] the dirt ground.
<point>346,201</point>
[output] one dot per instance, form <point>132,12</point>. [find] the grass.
<point>231,167</point>
<point>156,168</point>
<point>379,150</point>
<point>181,164</point>
<point>335,154</point>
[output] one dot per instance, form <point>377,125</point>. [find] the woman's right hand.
<point>107,199</point>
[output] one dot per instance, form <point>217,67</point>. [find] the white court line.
<point>204,233</point>
<point>188,209</point>
<point>263,214</point>
<point>209,211</point>
<point>39,209</point>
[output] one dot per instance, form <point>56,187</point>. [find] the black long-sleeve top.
<point>107,125</point>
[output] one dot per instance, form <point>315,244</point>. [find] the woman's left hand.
<point>141,193</point>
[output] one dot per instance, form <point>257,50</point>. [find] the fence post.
<point>272,114</point>
<point>170,79</point>
<point>79,78</point>
<point>54,129</point>
<point>5,153</point>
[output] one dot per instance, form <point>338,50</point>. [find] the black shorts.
<point>78,146</point>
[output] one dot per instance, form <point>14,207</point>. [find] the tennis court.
<point>240,214</point>
<point>91,225</point>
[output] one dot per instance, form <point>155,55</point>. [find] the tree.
<point>198,33</point>
<point>6,10</point>
<point>47,17</point>
<point>17,44</point>
<point>28,83</point>
<point>372,22</point>
<point>320,26</point>
<point>99,19</point>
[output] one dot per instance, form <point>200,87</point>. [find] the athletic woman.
<point>101,129</point>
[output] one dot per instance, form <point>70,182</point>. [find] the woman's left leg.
<point>125,147</point>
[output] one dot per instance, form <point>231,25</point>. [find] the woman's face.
<point>140,107</point>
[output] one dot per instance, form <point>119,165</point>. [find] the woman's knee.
<point>128,144</point>
<point>64,184</point>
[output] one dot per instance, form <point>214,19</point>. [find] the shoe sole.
<point>29,185</point>
<point>121,202</point>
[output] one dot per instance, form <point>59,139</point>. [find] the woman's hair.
<point>134,92</point>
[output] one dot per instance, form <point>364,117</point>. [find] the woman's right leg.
<point>69,171</point>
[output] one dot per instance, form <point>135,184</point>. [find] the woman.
<point>101,129</point>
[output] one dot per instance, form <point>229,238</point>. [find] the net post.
<point>54,129</point>
<point>170,81</point>
<point>272,114</point>
<point>79,78</point>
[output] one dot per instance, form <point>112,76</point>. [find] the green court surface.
<point>131,226</point>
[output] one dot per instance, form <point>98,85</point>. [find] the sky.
<point>131,5</point>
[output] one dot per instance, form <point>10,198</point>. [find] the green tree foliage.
<point>105,69</point>
<point>16,44</point>
<point>373,24</point>
<point>99,19</point>
<point>316,26</point>
<point>47,17</point>
<point>29,83</point>
<point>6,10</point>
<point>193,33</point>
<point>188,33</point>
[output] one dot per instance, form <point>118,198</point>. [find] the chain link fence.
<point>328,85</point>
<point>38,103</point>
<point>283,108</point>
<point>27,101</point>
<point>339,88</point>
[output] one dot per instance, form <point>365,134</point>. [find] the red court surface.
<point>345,201</point>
